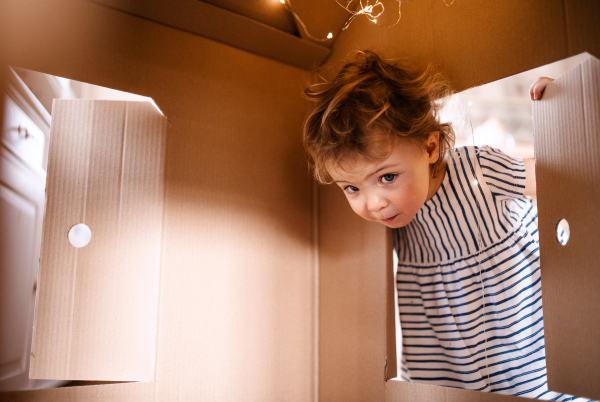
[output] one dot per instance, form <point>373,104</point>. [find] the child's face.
<point>390,191</point>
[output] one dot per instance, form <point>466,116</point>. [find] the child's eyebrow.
<point>381,168</point>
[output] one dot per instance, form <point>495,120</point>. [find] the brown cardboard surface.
<point>353,303</point>
<point>567,145</point>
<point>582,24</point>
<point>266,12</point>
<point>236,310</point>
<point>227,27</point>
<point>470,43</point>
<point>97,306</point>
<point>396,391</point>
<point>320,18</point>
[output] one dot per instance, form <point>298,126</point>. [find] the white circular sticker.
<point>563,232</point>
<point>80,235</point>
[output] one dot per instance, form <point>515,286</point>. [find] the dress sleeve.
<point>504,174</point>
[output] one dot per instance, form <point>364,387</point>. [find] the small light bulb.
<point>474,182</point>
<point>282,1</point>
<point>329,35</point>
<point>374,20</point>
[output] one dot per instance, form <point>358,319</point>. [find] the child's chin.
<point>396,223</point>
<point>393,225</point>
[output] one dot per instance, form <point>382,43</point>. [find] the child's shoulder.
<point>495,167</point>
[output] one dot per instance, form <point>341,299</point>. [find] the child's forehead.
<point>351,167</point>
<point>351,163</point>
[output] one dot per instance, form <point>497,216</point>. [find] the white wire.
<point>371,11</point>
<point>479,245</point>
<point>368,10</point>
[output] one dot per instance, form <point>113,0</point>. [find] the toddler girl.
<point>466,238</point>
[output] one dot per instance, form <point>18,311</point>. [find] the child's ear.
<point>433,146</point>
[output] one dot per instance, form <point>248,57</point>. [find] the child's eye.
<point>350,189</point>
<point>386,178</point>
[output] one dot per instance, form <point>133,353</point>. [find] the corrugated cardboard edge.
<point>316,268</point>
<point>133,392</point>
<point>567,150</point>
<point>392,360</point>
<point>401,391</point>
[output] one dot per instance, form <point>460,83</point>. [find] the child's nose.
<point>375,203</point>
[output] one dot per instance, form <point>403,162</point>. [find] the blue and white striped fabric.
<point>455,333</point>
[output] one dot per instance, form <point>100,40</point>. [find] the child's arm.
<point>535,93</point>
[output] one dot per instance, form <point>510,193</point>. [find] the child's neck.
<point>436,181</point>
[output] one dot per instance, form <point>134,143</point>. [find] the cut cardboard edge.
<point>128,391</point>
<point>404,391</point>
<point>156,106</point>
<point>391,353</point>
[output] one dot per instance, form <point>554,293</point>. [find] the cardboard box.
<point>267,290</point>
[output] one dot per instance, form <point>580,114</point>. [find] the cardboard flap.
<point>97,306</point>
<point>567,150</point>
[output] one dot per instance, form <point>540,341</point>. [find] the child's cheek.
<point>415,198</point>
<point>359,208</point>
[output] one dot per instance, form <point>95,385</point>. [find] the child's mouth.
<point>388,220</point>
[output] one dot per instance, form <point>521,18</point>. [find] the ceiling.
<point>265,27</point>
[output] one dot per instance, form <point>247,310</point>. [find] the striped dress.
<point>469,290</point>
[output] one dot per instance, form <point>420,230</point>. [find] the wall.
<point>237,294</point>
<point>474,43</point>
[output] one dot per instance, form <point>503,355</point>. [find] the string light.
<point>371,11</point>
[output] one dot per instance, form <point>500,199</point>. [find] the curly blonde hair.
<point>368,106</point>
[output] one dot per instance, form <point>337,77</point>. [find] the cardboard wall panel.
<point>355,312</point>
<point>583,29</point>
<point>470,43</point>
<point>236,314</point>
<point>97,306</point>
<point>567,145</point>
